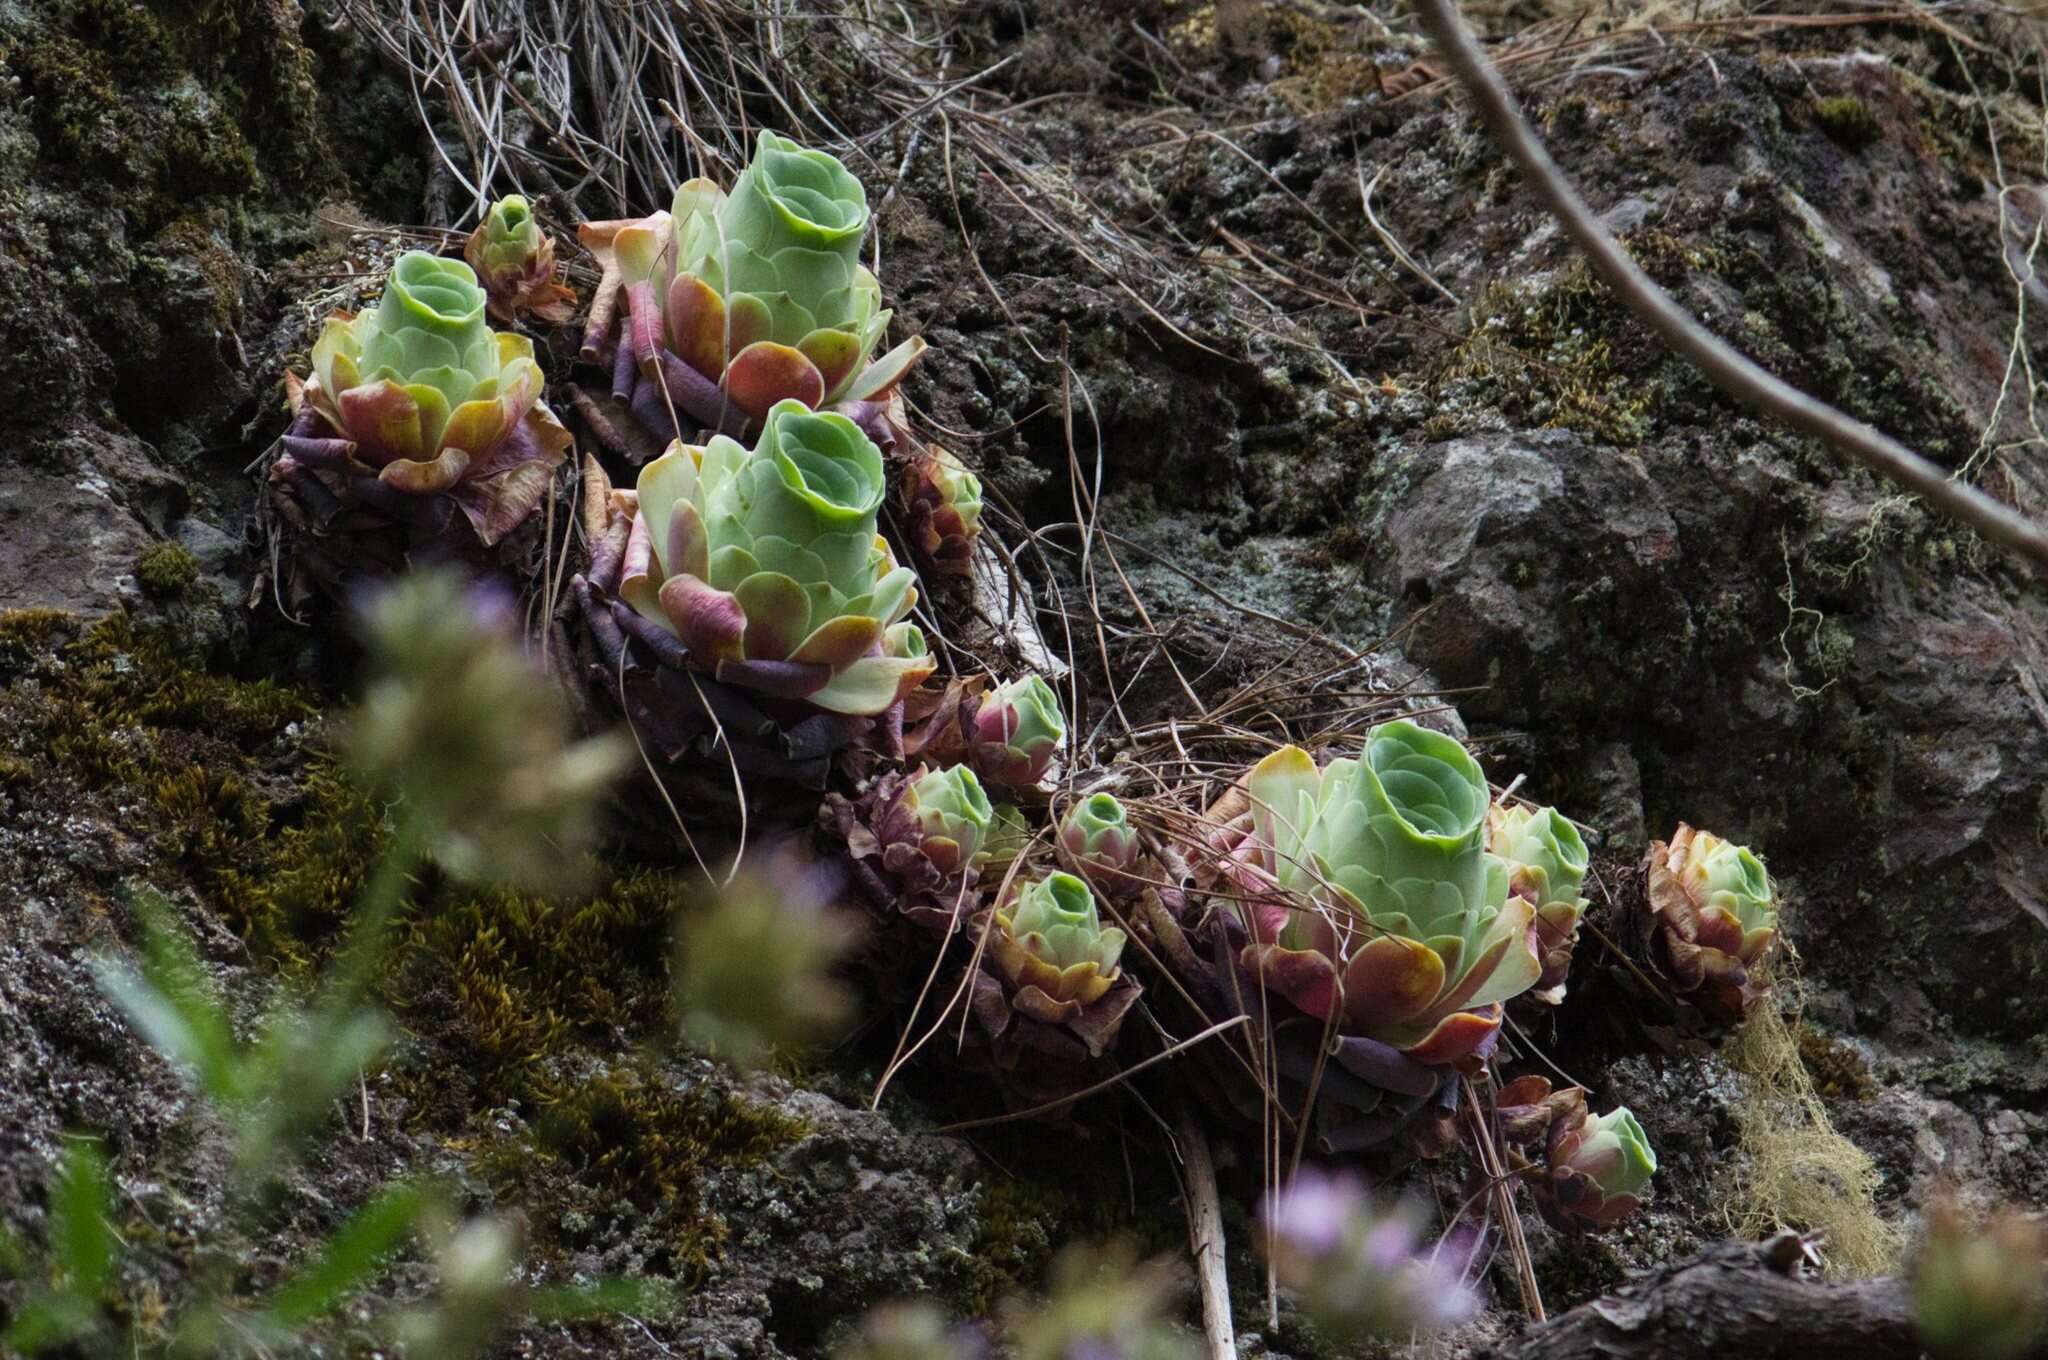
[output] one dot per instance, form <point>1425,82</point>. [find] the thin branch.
<point>1205,1233</point>
<point>1735,375</point>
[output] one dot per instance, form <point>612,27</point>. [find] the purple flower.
<point>1309,1219</point>
<point>1357,1267</point>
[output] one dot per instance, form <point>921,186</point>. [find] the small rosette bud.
<point>942,501</point>
<point>515,261</point>
<point>953,816</point>
<point>1098,842</point>
<point>1015,732</point>
<point>1051,945</point>
<point>1980,1290</point>
<point>917,842</point>
<point>1362,1270</point>
<point>1598,1166</point>
<point>1546,861</point>
<point>1713,916</point>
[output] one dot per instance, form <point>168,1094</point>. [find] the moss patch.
<point>513,978</point>
<point>206,768</point>
<point>167,569</point>
<point>1847,120</point>
<point>231,788</point>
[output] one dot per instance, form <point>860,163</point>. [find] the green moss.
<point>633,1143</point>
<point>513,977</point>
<point>1560,352</point>
<point>130,720</point>
<point>1848,120</point>
<point>30,630</point>
<point>1548,354</point>
<point>1020,1226</point>
<point>636,1135</point>
<point>148,678</point>
<point>167,569</point>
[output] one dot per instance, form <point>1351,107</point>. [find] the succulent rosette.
<point>765,565</point>
<point>1585,1170</point>
<point>1546,861</point>
<point>1598,1166</point>
<point>1714,916</point>
<point>917,841</point>
<point>1014,731</point>
<point>1097,841</point>
<point>515,261</point>
<point>1374,902</point>
<point>738,301</point>
<point>419,398</point>
<point>1051,944</point>
<point>942,507</point>
<point>1059,967</point>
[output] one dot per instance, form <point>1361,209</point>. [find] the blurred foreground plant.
<point>1980,1288</point>
<point>1360,1269</point>
<point>1105,1304</point>
<point>753,966</point>
<point>473,742</point>
<point>1102,1303</point>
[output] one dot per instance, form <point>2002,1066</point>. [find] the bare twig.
<point>1205,1232</point>
<point>1735,375</point>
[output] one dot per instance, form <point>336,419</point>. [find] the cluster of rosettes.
<point>933,848</point>
<point>737,306</point>
<point>1375,913</point>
